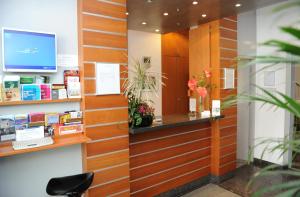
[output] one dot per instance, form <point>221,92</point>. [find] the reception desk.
<point>177,154</point>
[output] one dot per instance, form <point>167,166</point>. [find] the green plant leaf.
<point>284,46</point>
<point>292,31</point>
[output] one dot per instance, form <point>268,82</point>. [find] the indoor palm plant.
<point>138,88</point>
<point>289,53</point>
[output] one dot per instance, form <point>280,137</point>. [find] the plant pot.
<point>146,121</point>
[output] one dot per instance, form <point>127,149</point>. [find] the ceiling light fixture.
<point>195,2</point>
<point>157,30</point>
<point>149,1</point>
<point>166,14</point>
<point>144,23</point>
<point>238,5</point>
<point>127,13</point>
<point>203,15</point>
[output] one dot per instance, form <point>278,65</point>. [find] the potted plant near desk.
<point>138,88</point>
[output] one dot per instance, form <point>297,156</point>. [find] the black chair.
<point>71,186</point>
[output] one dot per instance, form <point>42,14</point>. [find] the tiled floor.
<point>237,186</point>
<point>211,190</point>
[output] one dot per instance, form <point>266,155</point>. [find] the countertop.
<point>171,121</point>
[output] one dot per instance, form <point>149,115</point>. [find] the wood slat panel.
<point>166,142</point>
<point>230,44</point>
<point>89,86</point>
<point>229,92</point>
<point>227,168</point>
<point>107,160</point>
<point>167,164</point>
<point>228,34</point>
<point>107,9</point>
<point>105,101</point>
<point>228,158</point>
<point>107,146</point>
<point>234,18</point>
<point>164,176</point>
<point>119,1</point>
<point>228,149</point>
<point>228,121</point>
<point>163,154</point>
<point>111,174</point>
<point>228,24</point>
<point>126,193</point>
<point>228,63</point>
<point>166,132</point>
<point>230,111</point>
<point>108,189</point>
<point>106,40</point>
<point>173,183</point>
<point>104,24</point>
<point>228,131</point>
<point>102,132</point>
<point>106,116</point>
<point>228,140</point>
<point>104,55</point>
<point>89,70</point>
<point>228,53</point>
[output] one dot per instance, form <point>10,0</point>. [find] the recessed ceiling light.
<point>178,24</point>
<point>238,5</point>
<point>178,10</point>
<point>144,23</point>
<point>157,30</point>
<point>203,15</point>
<point>127,13</point>
<point>166,14</point>
<point>149,1</point>
<point>195,2</point>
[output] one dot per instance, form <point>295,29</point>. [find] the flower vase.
<point>200,105</point>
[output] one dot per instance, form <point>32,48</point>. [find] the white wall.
<point>270,123</point>
<point>246,47</point>
<point>27,175</point>
<point>142,44</point>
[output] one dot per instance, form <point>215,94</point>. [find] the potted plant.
<point>140,84</point>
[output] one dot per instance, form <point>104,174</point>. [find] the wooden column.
<point>214,45</point>
<point>102,32</point>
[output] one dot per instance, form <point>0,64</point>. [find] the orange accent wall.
<point>102,31</point>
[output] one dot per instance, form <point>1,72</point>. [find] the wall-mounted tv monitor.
<point>28,51</point>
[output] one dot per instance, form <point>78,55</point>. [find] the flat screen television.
<point>28,51</point>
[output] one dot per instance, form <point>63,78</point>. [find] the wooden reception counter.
<point>179,153</point>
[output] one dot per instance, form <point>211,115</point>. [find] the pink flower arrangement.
<point>201,85</point>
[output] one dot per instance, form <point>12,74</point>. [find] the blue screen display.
<point>29,51</point>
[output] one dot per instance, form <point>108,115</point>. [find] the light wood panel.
<point>110,174</point>
<point>104,55</point>
<point>166,153</point>
<point>176,182</point>
<point>106,116</point>
<point>104,24</point>
<point>220,38</point>
<point>105,40</point>
<point>102,132</point>
<point>109,189</point>
<point>108,160</point>
<point>102,32</point>
<point>175,66</point>
<point>107,146</point>
<point>106,101</point>
<point>103,8</point>
<point>162,156</point>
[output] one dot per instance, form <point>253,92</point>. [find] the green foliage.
<point>277,100</point>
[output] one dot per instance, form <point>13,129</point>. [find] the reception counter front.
<point>180,153</point>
